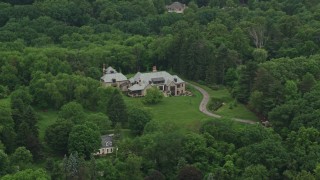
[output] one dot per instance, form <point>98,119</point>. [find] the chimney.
<point>154,69</point>
<point>104,69</point>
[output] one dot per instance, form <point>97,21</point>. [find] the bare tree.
<point>257,32</point>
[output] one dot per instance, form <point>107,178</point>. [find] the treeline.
<point>201,44</point>
<point>265,52</point>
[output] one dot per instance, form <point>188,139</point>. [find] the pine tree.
<point>30,118</point>
<point>244,86</point>
<point>308,81</point>
<point>7,133</point>
<point>117,110</point>
<point>26,138</point>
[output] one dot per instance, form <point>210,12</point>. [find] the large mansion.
<point>137,85</point>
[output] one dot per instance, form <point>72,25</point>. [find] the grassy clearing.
<point>237,111</point>
<point>46,118</point>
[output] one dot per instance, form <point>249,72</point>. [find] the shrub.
<point>215,104</point>
<point>154,96</point>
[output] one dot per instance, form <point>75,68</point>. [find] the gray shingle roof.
<point>117,76</point>
<point>176,5</point>
<point>106,141</point>
<point>144,78</point>
<point>137,87</point>
<point>158,79</point>
<point>110,70</point>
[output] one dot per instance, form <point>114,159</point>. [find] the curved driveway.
<point>205,101</point>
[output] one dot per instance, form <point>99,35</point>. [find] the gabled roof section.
<point>179,80</point>
<point>135,78</point>
<point>176,5</point>
<point>110,70</point>
<point>108,78</point>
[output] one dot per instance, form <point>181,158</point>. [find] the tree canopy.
<point>52,103</point>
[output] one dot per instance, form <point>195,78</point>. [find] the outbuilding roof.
<point>176,5</point>
<point>106,141</point>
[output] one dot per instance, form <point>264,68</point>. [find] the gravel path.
<point>205,101</point>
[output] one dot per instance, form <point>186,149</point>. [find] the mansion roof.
<point>143,79</point>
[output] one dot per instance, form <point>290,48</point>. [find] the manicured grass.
<point>228,110</point>
<point>181,110</point>
<point>46,118</point>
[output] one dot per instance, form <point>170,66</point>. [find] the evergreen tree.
<point>245,83</point>
<point>4,163</point>
<point>117,110</point>
<point>56,136</point>
<point>307,82</point>
<point>17,109</point>
<point>7,133</point>
<point>31,119</point>
<point>26,138</point>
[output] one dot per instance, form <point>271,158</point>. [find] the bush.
<point>233,104</point>
<point>215,104</point>
<point>154,96</point>
<point>214,87</point>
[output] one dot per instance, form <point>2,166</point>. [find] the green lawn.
<point>46,118</point>
<point>238,111</point>
<point>181,110</point>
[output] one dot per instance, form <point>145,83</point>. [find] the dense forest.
<point>266,52</point>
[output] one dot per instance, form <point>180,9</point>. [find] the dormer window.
<point>113,80</point>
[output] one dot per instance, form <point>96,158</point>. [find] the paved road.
<point>205,101</point>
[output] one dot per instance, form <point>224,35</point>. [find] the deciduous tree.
<point>154,96</point>
<point>84,140</point>
<point>137,119</point>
